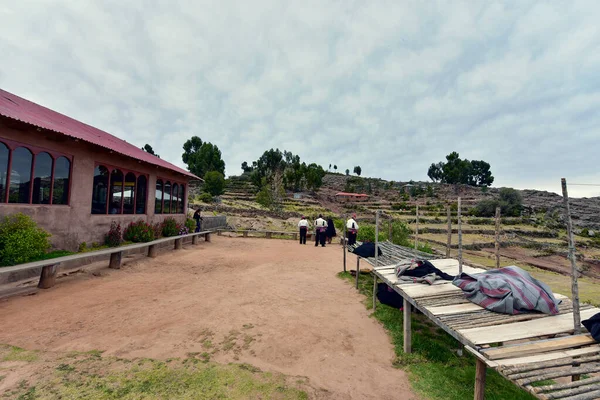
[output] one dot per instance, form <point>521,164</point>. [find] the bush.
<point>157,228</point>
<point>21,240</point>
<point>139,232</point>
<point>169,227</point>
<point>190,224</point>
<point>214,183</point>
<point>205,198</point>
<point>114,237</point>
<point>183,230</point>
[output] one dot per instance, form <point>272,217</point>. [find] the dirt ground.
<point>270,303</point>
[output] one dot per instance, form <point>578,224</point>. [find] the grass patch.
<point>436,371</point>
<point>52,254</point>
<point>13,353</point>
<point>113,378</point>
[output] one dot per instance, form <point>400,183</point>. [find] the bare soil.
<point>273,304</point>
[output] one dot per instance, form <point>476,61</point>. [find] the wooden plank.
<point>523,330</point>
<point>454,309</point>
<point>417,291</point>
<point>540,346</point>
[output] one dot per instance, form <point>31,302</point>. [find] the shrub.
<point>139,232</point>
<point>82,247</point>
<point>114,237</point>
<point>21,240</point>
<point>157,228</point>
<point>205,198</point>
<point>169,227</point>
<point>190,224</point>
<point>183,230</point>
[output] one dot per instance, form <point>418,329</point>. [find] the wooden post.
<point>460,260</point>
<point>195,239</point>
<point>574,271</point>
<point>295,236</point>
<point>207,237</point>
<point>376,258</point>
<point>178,244</point>
<point>218,232</point>
<point>480,370</point>
<point>497,238</point>
<point>417,233</point>
<point>268,235</point>
<point>407,330</point>
<point>390,230</point>
<point>48,276</point>
<point>449,242</point>
<point>115,260</point>
<point>357,269</point>
<point>344,244</point>
<point>152,251</point>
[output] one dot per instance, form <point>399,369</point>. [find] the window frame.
<point>180,185</point>
<point>35,150</point>
<point>124,171</point>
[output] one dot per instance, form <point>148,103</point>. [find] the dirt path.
<point>270,303</point>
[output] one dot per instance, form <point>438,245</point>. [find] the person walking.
<point>198,218</point>
<point>303,226</point>
<point>320,231</point>
<point>352,227</point>
<point>330,233</point>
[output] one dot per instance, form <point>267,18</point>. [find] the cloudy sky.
<point>391,86</point>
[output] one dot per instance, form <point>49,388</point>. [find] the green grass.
<point>79,376</point>
<point>435,369</point>
<point>52,254</point>
<point>13,353</point>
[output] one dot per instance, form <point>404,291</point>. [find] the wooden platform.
<point>525,348</point>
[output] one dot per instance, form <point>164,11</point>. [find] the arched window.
<point>140,195</point>
<point>62,178</point>
<point>100,191</point>
<point>3,171</point>
<point>20,176</point>
<point>158,206</point>
<point>115,199</point>
<point>42,180</point>
<point>129,194</point>
<point>167,198</point>
<point>175,202</point>
<point>181,199</point>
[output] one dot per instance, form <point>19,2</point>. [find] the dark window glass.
<point>181,199</point>
<point>115,200</point>
<point>100,192</point>
<point>20,176</point>
<point>42,180</point>
<point>158,208</point>
<point>129,194</point>
<point>174,203</point>
<point>3,170</point>
<point>167,209</point>
<point>62,178</point>
<point>140,195</point>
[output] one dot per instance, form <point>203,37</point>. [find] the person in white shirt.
<point>303,226</point>
<point>320,231</point>
<point>352,227</point>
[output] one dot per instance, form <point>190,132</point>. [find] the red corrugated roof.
<point>351,194</point>
<point>17,108</point>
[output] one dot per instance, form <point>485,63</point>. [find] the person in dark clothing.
<point>330,233</point>
<point>320,229</point>
<point>352,228</point>
<point>198,219</point>
<point>303,226</point>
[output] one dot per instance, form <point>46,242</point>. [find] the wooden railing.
<point>267,234</point>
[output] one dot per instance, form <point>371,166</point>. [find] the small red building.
<point>351,197</point>
<point>74,179</point>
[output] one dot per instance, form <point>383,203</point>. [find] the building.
<point>74,179</point>
<point>351,197</point>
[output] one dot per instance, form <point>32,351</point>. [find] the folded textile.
<point>508,290</point>
<point>367,249</point>
<point>387,295</point>
<point>593,326</point>
<point>420,271</point>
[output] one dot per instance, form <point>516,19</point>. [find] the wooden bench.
<point>268,234</point>
<point>50,267</point>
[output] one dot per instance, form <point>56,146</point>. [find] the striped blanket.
<point>508,290</point>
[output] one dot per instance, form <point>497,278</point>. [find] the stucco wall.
<point>73,224</point>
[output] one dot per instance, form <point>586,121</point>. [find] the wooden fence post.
<point>152,251</point>
<point>115,260</point>
<point>376,259</point>
<point>207,237</point>
<point>195,239</point>
<point>178,244</point>
<point>460,260</point>
<point>407,329</point>
<point>574,271</point>
<point>480,370</point>
<point>357,269</point>
<point>344,243</point>
<point>417,233</point>
<point>449,242</point>
<point>390,229</point>
<point>497,238</point>
<point>268,235</point>
<point>48,276</point>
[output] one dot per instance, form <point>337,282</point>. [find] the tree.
<point>510,203</point>
<point>214,183</point>
<point>357,170</point>
<point>335,168</point>
<point>457,171</point>
<point>246,167</point>
<point>202,157</point>
<point>347,172</point>
<point>148,149</point>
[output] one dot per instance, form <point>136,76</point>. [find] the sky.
<point>392,86</point>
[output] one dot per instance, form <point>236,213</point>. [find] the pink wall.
<point>73,224</point>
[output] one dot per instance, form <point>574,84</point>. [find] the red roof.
<point>351,194</point>
<point>17,108</point>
